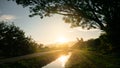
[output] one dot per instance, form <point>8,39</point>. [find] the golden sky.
<point>46,30</point>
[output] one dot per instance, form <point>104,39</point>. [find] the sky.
<point>47,30</point>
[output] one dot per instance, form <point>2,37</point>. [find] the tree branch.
<point>102,27</point>
<point>64,14</point>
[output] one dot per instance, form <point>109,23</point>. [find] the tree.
<point>103,14</point>
<point>13,41</point>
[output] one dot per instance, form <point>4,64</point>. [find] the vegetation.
<point>103,14</point>
<point>90,59</point>
<point>100,44</point>
<point>13,41</point>
<point>37,62</point>
<point>93,53</point>
<point>102,52</point>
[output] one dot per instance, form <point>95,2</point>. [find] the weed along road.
<point>8,60</point>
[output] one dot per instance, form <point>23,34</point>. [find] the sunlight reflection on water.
<point>58,63</point>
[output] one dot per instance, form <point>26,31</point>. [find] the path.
<point>26,56</point>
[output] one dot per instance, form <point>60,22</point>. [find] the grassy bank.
<point>37,62</point>
<point>90,59</point>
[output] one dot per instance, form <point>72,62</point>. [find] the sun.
<point>62,39</point>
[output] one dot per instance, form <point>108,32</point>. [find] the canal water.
<point>58,63</point>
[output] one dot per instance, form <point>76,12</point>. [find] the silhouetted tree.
<point>13,41</point>
<point>80,44</point>
<point>103,14</point>
<point>41,45</point>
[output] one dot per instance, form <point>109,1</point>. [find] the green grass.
<point>37,62</point>
<point>91,59</point>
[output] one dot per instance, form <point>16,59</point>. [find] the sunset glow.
<point>47,30</point>
<point>62,40</point>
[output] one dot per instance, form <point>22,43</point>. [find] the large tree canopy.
<point>85,13</point>
<point>103,14</point>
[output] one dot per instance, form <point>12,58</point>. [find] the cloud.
<point>7,17</point>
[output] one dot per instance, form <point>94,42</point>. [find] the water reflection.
<point>63,59</point>
<point>59,63</point>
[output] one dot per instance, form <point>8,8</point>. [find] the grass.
<point>37,62</point>
<point>91,59</point>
